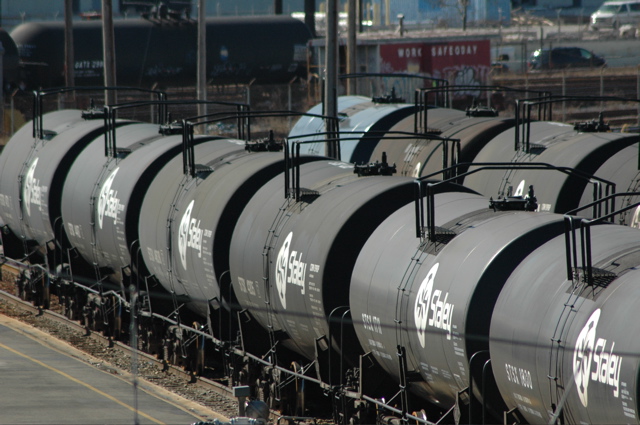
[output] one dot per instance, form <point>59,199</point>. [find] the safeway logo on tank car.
<point>290,269</point>
<point>594,360</point>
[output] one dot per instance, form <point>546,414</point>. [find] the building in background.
<point>377,13</point>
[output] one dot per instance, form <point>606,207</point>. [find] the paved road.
<point>44,381</point>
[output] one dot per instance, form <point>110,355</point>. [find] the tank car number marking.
<point>593,361</point>
<point>519,376</point>
<point>32,192</point>
<point>371,323</point>
<point>290,269</point>
<point>432,308</point>
<point>89,64</point>
<point>5,200</point>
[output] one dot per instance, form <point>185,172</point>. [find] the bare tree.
<point>461,6</point>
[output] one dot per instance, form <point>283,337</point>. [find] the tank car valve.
<point>515,203</point>
<point>375,168</point>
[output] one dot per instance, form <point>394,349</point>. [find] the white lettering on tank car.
<point>593,361</point>
<point>371,323</point>
<point>108,202</point>
<point>32,191</point>
<point>242,283</point>
<point>5,200</point>
<point>519,376</point>
<point>432,308</point>
<point>290,269</point>
<point>189,235</point>
<point>341,164</point>
<point>70,230</point>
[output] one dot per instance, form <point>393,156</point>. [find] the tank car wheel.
<point>70,310</point>
<point>117,327</point>
<point>199,369</point>
<point>46,297</point>
<point>299,403</point>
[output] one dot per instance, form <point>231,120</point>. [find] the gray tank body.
<point>561,343</point>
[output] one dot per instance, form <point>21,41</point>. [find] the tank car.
<point>361,118</point>
<point>241,49</point>
<point>562,334</point>
<point>434,297</point>
<point>621,169</point>
<point>423,156</point>
<point>560,146</point>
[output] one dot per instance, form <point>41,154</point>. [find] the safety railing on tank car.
<point>372,136</point>
<point>574,223</point>
<point>524,117</point>
<point>425,190</point>
<point>111,114</point>
<point>38,99</point>
<point>421,98</point>
<point>188,126</point>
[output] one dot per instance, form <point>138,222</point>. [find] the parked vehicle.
<point>614,14</point>
<point>564,57</point>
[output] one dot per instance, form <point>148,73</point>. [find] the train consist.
<point>264,49</point>
<point>306,267</point>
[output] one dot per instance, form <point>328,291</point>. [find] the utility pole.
<point>310,15</point>
<point>202,57</point>
<point>109,53</point>
<point>69,71</point>
<point>352,48</point>
<point>331,78</point>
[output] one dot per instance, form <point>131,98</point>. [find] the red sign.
<point>459,62</point>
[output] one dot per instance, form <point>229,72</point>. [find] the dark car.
<point>564,57</point>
